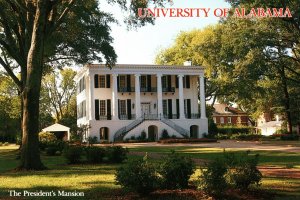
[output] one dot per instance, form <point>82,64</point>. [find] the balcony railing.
<point>126,89</point>
<point>168,89</point>
<point>127,117</point>
<point>106,117</point>
<point>148,89</point>
<point>192,116</point>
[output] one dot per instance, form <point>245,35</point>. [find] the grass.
<point>267,158</point>
<point>98,181</point>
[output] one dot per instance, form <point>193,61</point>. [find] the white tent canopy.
<point>57,128</point>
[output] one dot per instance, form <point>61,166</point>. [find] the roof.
<point>56,127</point>
<point>140,69</point>
<point>224,109</point>
<point>271,124</point>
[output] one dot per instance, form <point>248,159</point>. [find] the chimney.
<point>187,63</point>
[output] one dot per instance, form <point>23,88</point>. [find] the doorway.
<point>194,131</point>
<point>152,133</point>
<point>145,108</point>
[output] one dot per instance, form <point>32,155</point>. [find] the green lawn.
<point>98,181</point>
<point>267,158</point>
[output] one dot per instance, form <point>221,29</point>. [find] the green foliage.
<point>116,154</point>
<point>235,129</point>
<point>94,154</point>
<point>143,135</point>
<point>47,137</point>
<point>242,170</point>
<point>289,137</point>
<point>239,136</point>
<point>212,128</point>
<point>92,140</point>
<point>73,154</point>
<point>165,134</point>
<point>232,171</point>
<point>212,179</point>
<point>176,171</point>
<point>138,175</point>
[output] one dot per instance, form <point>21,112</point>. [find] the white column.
<point>159,96</point>
<point>137,96</point>
<point>181,100</point>
<point>202,97</point>
<point>91,108</point>
<point>115,98</point>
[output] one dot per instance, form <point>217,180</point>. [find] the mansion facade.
<point>124,101</point>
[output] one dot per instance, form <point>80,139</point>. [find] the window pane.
<point>222,120</point>
<point>123,107</point>
<point>164,82</point>
<point>143,81</point>
<point>102,108</point>
<point>122,81</point>
<point>101,81</point>
<point>165,107</point>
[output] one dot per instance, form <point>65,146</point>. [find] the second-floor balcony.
<point>126,89</point>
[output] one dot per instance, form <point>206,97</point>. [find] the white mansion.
<point>124,101</point>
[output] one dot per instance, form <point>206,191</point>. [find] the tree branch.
<point>11,73</point>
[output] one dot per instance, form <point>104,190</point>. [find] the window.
<point>102,108</point>
<point>143,81</point>
<point>81,85</point>
<point>164,82</point>
<point>222,120</point>
<point>122,107</point>
<point>215,120</point>
<point>165,107</point>
<point>101,81</point>
<point>122,83</point>
<point>185,106</point>
<point>81,110</point>
<point>229,120</point>
<point>226,109</point>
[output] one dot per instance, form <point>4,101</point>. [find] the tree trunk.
<point>30,156</point>
<point>286,100</point>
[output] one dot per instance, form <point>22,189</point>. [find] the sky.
<point>141,46</point>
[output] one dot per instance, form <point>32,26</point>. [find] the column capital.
<point>137,75</point>
<point>115,75</point>
<point>180,75</point>
<point>159,75</point>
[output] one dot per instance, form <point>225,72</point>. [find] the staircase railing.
<point>119,135</point>
<point>179,129</point>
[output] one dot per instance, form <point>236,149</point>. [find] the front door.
<point>145,109</point>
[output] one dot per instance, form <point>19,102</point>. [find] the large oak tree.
<point>35,34</point>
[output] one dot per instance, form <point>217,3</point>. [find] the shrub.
<point>230,172</point>
<point>143,135</point>
<point>73,154</point>
<point>242,170</point>
<point>94,154</point>
<point>165,134</point>
<point>289,137</point>
<point>51,150</point>
<point>92,140</point>
<point>47,137</point>
<point>138,175</point>
<point>116,154</point>
<point>132,137</point>
<point>235,129</point>
<point>213,180</point>
<point>176,171</point>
